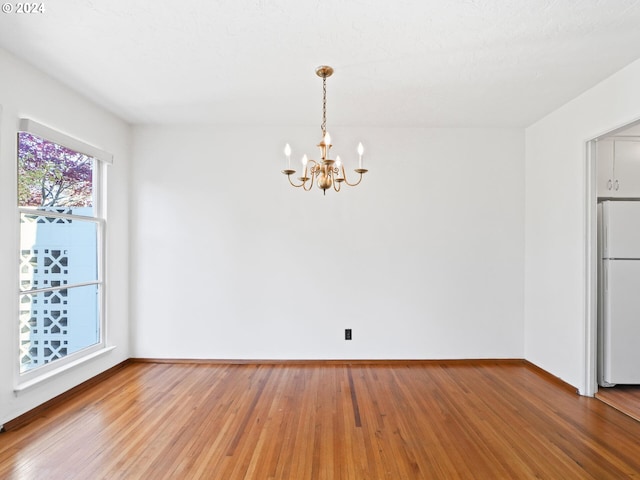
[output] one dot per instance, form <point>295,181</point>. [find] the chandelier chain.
<point>324,106</point>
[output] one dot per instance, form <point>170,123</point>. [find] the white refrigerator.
<point>619,285</point>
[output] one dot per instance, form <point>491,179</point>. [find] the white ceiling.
<point>405,63</point>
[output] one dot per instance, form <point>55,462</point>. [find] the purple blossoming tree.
<point>52,175</point>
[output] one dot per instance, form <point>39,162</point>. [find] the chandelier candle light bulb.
<point>326,172</point>
<point>287,152</point>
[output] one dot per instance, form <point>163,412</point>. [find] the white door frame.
<point>591,274</point>
<point>591,262</point>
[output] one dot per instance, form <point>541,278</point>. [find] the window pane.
<point>57,251</point>
<point>50,175</point>
<point>57,323</point>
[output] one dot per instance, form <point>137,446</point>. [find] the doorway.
<point>603,184</point>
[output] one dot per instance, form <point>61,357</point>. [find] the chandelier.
<point>326,172</point>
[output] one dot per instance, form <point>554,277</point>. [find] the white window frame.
<point>102,158</point>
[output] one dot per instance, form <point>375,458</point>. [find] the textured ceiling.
<point>442,63</point>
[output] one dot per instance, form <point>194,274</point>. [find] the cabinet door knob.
<point>616,185</point>
<point>609,184</point>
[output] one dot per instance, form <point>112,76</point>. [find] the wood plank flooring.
<point>625,398</point>
<point>400,421</point>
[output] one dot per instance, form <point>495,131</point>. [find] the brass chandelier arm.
<point>286,172</point>
<point>304,183</point>
<point>313,168</point>
<point>337,179</point>
<point>361,171</point>
<point>313,171</point>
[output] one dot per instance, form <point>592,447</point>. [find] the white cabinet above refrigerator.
<point>618,167</point>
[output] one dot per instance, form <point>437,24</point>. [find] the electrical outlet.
<point>347,334</point>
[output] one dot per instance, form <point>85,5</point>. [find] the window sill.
<point>46,376</point>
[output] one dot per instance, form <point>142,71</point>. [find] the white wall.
<point>556,201</point>
<point>26,92</point>
<point>423,260</point>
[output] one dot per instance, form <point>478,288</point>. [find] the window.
<point>61,285</point>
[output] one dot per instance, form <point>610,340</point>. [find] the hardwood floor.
<point>625,398</point>
<point>438,420</point>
